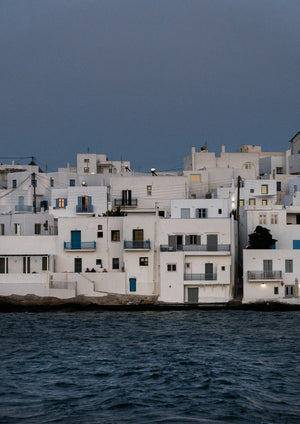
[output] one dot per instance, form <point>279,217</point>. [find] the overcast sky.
<point>145,80</point>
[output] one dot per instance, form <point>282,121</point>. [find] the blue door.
<point>132,284</point>
<point>75,239</point>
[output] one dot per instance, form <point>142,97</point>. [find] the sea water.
<point>150,367</point>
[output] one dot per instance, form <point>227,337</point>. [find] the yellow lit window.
<point>195,178</point>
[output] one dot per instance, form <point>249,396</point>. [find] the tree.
<point>261,239</point>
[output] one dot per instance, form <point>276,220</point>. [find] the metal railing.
<point>84,209</point>
<point>210,276</point>
<point>196,248</point>
<point>79,246</point>
<point>125,203</point>
<point>264,275</point>
<point>137,244</point>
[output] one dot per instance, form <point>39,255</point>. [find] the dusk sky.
<point>145,80</point>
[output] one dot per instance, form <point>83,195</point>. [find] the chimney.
<point>223,148</point>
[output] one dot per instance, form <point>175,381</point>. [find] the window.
<point>223,268</point>
<point>4,265</point>
<point>274,218</point>
<point>86,160</point>
<point>276,291</point>
<point>251,190</point>
<point>171,267</point>
<point>51,182</point>
<point>192,239</point>
<point>264,202</point>
<point>279,170</point>
<point>86,170</point>
<point>17,229</point>
<point>289,265</point>
<point>72,183</point>
<point>99,227</point>
<point>201,213</point>
<point>100,234</point>
<point>219,211</point>
<point>193,196</point>
<point>115,235</point>
<point>44,263</point>
<point>115,263</point>
<point>2,230</point>
<point>161,213</point>
<point>149,190</point>
<point>264,189</point>
<point>14,183</point>
<point>289,291</point>
<point>99,262</point>
<point>61,203</point>
<point>252,202</point>
<point>195,178</point>
<point>278,186</point>
<point>138,235</point>
<point>262,219</point>
<point>144,261</point>
<point>126,197</point>
<point>185,213</point>
<point>242,202</point>
<point>37,228</point>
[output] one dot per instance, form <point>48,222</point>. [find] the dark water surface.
<point>150,367</point>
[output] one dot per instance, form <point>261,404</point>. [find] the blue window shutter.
<point>57,203</point>
<point>89,202</point>
<point>296,244</point>
<point>79,201</point>
<point>66,202</point>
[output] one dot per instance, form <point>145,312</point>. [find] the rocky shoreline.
<point>32,303</point>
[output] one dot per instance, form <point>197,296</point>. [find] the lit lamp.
<point>153,171</point>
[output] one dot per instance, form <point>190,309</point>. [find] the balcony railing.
<point>23,208</point>
<point>89,245</point>
<point>196,247</point>
<point>211,276</point>
<point>264,275</point>
<point>121,203</point>
<point>84,209</point>
<point>137,244</point>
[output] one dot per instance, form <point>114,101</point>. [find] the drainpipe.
<point>193,158</point>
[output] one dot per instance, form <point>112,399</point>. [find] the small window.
<point>195,178</point>
<point>252,202</point>
<point>144,261</point>
<point>37,228</point>
<point>251,190</point>
<point>279,170</point>
<point>161,213</point>
<point>51,182</point>
<point>278,186</point>
<point>223,268</point>
<point>44,263</point>
<point>242,202</point>
<point>1,229</point>
<point>99,262</point>
<point>264,189</point>
<point>264,202</point>
<point>149,190</point>
<point>115,263</point>
<point>274,219</point>
<point>115,235</point>
<point>276,290</point>
<point>86,170</point>
<point>61,203</point>
<point>14,183</point>
<point>219,211</point>
<point>86,160</point>
<point>100,234</point>
<point>17,227</point>
<point>193,196</point>
<point>72,183</point>
<point>171,267</point>
<point>99,227</point>
<point>262,219</point>
<point>201,213</point>
<point>289,265</point>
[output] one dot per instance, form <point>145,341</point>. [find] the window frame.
<point>143,261</point>
<point>115,235</point>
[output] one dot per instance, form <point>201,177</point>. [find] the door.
<point>132,284</point>
<point>185,213</point>
<point>126,197</point>
<point>3,265</point>
<point>193,294</point>
<point>138,238</point>
<point>212,242</point>
<point>268,268</point>
<point>208,271</point>
<point>77,264</point>
<point>75,239</point>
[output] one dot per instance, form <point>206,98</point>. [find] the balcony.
<point>85,209</point>
<point>211,276</point>
<point>196,248</point>
<point>23,208</point>
<point>85,245</point>
<point>264,275</point>
<point>137,245</point>
<point>120,203</point>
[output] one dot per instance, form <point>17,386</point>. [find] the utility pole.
<point>239,180</point>
<point>33,183</point>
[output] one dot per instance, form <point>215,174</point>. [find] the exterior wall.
<point>263,289</point>
<point>91,163</point>
<point>253,190</point>
<point>216,208</point>
<point>26,224</point>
